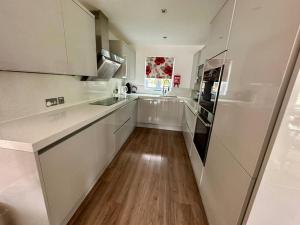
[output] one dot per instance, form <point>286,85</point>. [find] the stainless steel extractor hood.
<point>107,62</point>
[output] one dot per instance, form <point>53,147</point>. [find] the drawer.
<point>190,118</point>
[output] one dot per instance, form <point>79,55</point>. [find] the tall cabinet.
<point>262,50</point>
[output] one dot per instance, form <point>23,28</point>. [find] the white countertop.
<point>36,132</point>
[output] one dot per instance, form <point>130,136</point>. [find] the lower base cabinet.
<point>70,168</point>
<point>163,113</point>
<point>188,123</point>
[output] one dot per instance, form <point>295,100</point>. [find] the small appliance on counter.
<point>131,88</point>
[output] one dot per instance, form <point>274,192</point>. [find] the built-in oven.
<point>210,88</point>
<point>214,83</point>
<point>202,133</point>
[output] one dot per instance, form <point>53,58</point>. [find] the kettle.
<point>131,88</point>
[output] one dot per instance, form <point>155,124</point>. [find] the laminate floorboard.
<point>150,182</point>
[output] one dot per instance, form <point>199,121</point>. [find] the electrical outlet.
<point>51,102</point>
<point>61,100</point>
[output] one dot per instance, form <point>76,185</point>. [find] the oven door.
<point>201,137</point>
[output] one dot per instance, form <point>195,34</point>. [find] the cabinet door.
<point>190,119</point>
<point>147,110</point>
<point>80,39</point>
<point>260,51</point>
<point>106,129</point>
<point>196,163</point>
<point>219,33</point>
<point>169,112</point>
<point>131,64</point>
<point>69,170</point>
<point>196,63</point>
<point>32,37</point>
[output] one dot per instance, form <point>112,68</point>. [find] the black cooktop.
<point>108,101</point>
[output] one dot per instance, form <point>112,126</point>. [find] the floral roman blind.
<point>159,67</point>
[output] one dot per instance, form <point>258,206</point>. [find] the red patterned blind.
<point>159,67</point>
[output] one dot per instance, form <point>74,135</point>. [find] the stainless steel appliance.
<point>202,132</point>
<point>214,81</point>
<point>131,88</point>
<point>107,63</point>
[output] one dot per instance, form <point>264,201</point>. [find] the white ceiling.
<point>141,21</point>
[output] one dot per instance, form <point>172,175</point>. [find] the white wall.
<point>183,60</point>
<point>278,196</point>
<point>23,94</point>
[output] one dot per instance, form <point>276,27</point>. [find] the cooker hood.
<point>107,62</point>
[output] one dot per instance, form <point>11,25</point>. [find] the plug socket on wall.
<point>51,102</point>
<point>61,100</point>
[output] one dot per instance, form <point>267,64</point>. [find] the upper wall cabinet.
<point>32,37</point>
<point>80,34</point>
<point>47,37</point>
<point>120,48</point>
<point>219,31</point>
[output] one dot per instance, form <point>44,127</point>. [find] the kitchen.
<point>207,134</point>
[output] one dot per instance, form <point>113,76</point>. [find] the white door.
<point>80,39</point>
<point>32,36</point>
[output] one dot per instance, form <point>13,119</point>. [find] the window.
<point>159,73</point>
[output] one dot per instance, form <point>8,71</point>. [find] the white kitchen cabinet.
<point>163,113</point>
<point>262,51</point>
<point>79,26</point>
<point>69,170</point>
<point>147,110</point>
<point>188,128</point>
<point>125,129</point>
<point>32,37</point>
<point>190,118</point>
<point>71,167</point>
<point>127,70</point>
<point>224,187</point>
<point>169,112</point>
<point>187,136</point>
<point>220,30</point>
<point>197,164</point>
<point>108,137</point>
<point>196,63</point>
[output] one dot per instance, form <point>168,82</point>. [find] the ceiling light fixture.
<point>164,11</point>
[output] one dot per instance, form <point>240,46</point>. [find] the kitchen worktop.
<point>35,132</point>
<point>38,131</point>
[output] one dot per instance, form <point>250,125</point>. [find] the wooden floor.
<point>150,182</point>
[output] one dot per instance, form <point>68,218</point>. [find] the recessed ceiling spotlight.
<point>164,11</point>
<point>165,37</point>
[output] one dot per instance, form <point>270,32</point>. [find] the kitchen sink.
<point>108,101</point>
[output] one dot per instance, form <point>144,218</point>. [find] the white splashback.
<point>24,94</point>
